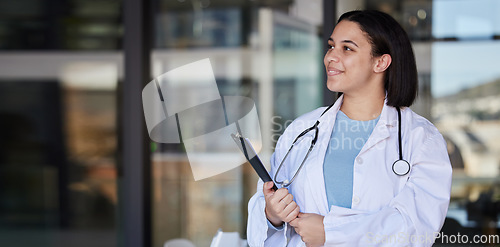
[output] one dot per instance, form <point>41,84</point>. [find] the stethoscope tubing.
<point>400,167</point>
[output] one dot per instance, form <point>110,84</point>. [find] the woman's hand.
<point>280,206</point>
<point>310,227</point>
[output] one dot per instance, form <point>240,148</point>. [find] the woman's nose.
<point>332,56</point>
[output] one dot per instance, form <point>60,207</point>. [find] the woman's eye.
<point>347,48</point>
<point>330,47</point>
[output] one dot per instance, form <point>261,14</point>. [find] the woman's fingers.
<point>279,204</point>
<point>268,188</point>
<point>278,196</point>
<point>287,199</point>
<point>292,215</point>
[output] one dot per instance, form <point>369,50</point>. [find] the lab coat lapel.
<point>314,168</point>
<point>387,120</point>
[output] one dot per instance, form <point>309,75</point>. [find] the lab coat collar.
<point>388,116</point>
<point>387,122</point>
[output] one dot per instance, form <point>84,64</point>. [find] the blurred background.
<point>62,80</point>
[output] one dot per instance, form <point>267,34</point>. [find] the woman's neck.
<point>363,108</point>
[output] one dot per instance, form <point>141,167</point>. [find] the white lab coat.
<point>387,209</point>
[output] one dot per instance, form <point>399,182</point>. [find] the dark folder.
<point>247,150</point>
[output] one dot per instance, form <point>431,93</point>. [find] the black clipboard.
<point>247,150</point>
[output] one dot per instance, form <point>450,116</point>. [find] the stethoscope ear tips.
<point>401,167</point>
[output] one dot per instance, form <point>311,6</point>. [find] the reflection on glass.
<point>467,102</point>
<point>262,53</point>
<point>297,68</point>
<point>199,28</point>
<point>57,165</point>
<point>455,43</point>
<point>182,207</point>
<point>58,122</point>
<point>462,65</point>
<point>466,109</point>
<point>465,19</point>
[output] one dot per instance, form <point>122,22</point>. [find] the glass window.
<point>457,50</point>
<point>465,19</point>
<point>58,122</point>
<point>270,53</point>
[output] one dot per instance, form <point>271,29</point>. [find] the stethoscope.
<point>400,167</point>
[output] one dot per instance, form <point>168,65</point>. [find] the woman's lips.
<point>333,71</point>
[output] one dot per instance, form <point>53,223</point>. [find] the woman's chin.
<point>333,86</point>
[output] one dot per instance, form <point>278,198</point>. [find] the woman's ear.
<point>382,63</point>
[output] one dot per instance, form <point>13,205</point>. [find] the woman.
<point>348,192</point>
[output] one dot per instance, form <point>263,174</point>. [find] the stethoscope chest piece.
<point>401,167</point>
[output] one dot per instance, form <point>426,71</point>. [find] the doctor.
<point>350,190</point>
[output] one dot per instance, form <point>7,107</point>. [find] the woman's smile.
<point>331,71</point>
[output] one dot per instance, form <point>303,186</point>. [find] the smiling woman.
<point>349,65</point>
<point>347,192</point>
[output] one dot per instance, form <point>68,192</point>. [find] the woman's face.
<point>349,63</point>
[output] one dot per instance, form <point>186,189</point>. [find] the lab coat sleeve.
<point>412,218</point>
<point>258,231</point>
